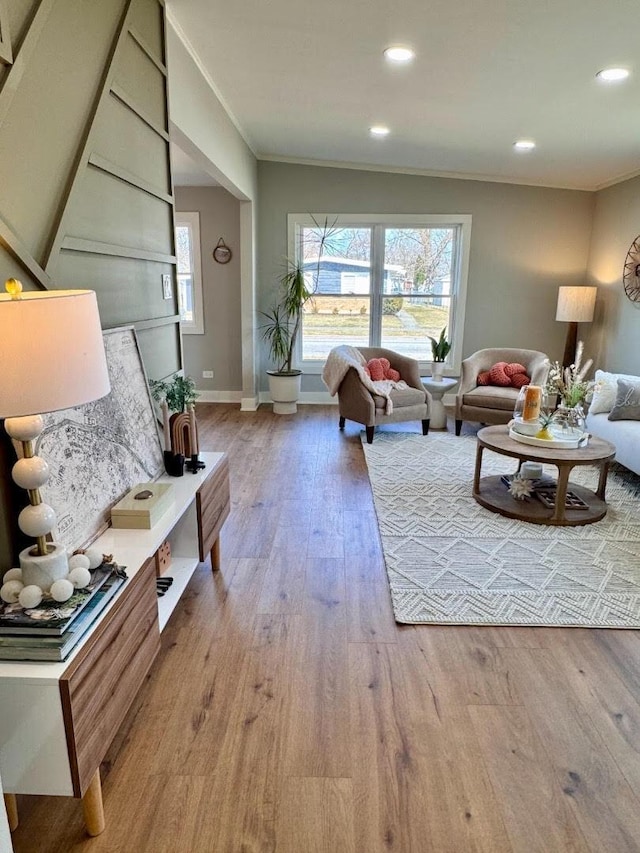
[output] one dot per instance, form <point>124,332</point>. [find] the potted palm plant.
<point>282,322</point>
<point>280,331</point>
<point>440,349</point>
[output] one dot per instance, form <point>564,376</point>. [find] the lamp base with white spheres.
<point>46,564</point>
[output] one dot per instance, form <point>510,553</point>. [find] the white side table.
<point>437,389</point>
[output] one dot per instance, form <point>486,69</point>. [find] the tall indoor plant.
<point>282,322</point>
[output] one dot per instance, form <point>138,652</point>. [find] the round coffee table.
<point>493,494</point>
<point>438,388</point>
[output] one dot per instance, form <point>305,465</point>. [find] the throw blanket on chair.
<point>340,359</point>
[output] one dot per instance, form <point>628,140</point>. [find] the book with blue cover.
<point>58,648</point>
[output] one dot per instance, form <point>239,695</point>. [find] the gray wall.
<point>85,185</point>
<point>525,242</point>
<point>614,339</point>
<point>219,349</point>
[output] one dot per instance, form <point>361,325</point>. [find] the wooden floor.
<point>288,712</point>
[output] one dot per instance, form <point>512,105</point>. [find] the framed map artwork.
<point>98,451</point>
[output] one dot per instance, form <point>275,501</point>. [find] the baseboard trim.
<point>219,396</point>
<point>249,404</point>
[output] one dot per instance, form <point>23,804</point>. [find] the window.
<point>189,273</point>
<point>389,281</point>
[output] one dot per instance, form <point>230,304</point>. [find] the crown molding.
<point>423,173</point>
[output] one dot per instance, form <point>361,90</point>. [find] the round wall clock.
<point>631,274</point>
<point>222,253</point>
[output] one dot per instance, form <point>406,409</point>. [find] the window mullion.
<point>377,283</point>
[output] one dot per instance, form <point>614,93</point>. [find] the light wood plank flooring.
<point>288,712</point>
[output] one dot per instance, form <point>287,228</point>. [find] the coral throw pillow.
<point>505,375</point>
<point>498,376</point>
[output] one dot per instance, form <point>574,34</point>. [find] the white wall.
<point>525,242</point>
<point>202,128</point>
<point>614,339</point>
<point>219,349</point>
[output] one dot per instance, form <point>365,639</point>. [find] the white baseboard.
<point>219,396</point>
<point>249,404</point>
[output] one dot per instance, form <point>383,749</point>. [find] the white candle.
<point>165,425</point>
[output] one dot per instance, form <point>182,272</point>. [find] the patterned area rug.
<point>451,561</point>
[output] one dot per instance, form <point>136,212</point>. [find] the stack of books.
<point>50,631</point>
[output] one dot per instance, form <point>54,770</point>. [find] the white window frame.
<point>459,267</point>
<point>191,220</point>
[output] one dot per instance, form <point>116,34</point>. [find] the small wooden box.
<point>163,557</point>
<point>141,514</point>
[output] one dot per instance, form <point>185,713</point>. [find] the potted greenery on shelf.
<point>283,320</point>
<point>179,392</point>
<point>440,350</point>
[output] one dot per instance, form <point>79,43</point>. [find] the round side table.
<point>437,389</point>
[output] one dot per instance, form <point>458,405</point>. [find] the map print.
<point>97,452</point>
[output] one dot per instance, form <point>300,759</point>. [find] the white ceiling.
<point>306,80</point>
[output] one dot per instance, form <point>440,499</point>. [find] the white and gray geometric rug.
<point>451,561</point>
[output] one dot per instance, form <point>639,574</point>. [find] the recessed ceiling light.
<point>399,54</point>
<point>379,130</point>
<point>524,145</point>
<point>612,75</point>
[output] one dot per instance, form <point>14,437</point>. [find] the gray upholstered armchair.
<point>489,404</point>
<point>358,404</point>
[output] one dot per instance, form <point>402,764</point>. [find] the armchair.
<point>489,404</point>
<point>358,404</point>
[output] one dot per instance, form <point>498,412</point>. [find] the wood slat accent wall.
<point>86,194</point>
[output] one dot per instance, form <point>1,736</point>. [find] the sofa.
<point>614,414</point>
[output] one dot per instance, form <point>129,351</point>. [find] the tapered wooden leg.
<point>11,805</point>
<point>341,422</point>
<point>369,430</point>
<point>92,806</point>
<point>458,427</point>
<point>425,426</point>
<point>215,555</point>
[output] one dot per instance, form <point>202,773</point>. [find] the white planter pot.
<point>284,389</point>
<point>437,370</point>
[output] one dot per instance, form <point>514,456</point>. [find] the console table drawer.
<point>213,504</point>
<point>98,688</point>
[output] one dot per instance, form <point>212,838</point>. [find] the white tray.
<point>577,438</point>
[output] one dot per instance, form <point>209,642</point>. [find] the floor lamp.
<point>52,357</point>
<point>575,305</point>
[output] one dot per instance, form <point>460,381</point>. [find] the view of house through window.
<point>380,284</point>
<point>189,274</point>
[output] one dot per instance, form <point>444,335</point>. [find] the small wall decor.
<point>222,253</point>
<point>631,274</point>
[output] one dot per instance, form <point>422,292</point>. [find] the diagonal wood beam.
<point>58,232</point>
<point>19,251</point>
<point>23,55</point>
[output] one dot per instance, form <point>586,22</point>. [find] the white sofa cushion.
<point>605,390</point>
<point>625,435</point>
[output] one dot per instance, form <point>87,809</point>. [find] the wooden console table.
<point>57,720</point>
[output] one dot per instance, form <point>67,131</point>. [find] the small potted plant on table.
<point>440,350</point>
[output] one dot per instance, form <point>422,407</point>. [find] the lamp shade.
<point>576,304</point>
<point>51,352</point>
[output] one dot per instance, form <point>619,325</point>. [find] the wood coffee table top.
<point>492,494</point>
<point>497,438</point>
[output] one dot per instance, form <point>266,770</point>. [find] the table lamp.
<point>575,305</point>
<point>52,355</point>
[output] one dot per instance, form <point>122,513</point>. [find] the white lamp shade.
<point>576,304</point>
<point>51,352</point>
